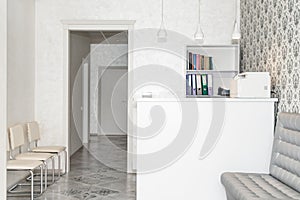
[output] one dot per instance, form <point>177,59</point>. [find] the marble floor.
<point>97,173</point>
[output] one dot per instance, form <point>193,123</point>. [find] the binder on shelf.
<point>202,63</point>
<point>210,84</point>
<point>195,61</point>
<point>198,62</point>
<point>211,64</point>
<point>190,61</point>
<point>206,63</point>
<point>194,84</point>
<point>204,84</point>
<point>188,84</point>
<point>199,85</point>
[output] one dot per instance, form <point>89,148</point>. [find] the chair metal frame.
<point>58,154</point>
<point>45,162</point>
<point>12,193</point>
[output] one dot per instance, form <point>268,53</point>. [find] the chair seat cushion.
<point>33,156</point>
<point>49,149</point>
<point>22,164</point>
<point>243,186</point>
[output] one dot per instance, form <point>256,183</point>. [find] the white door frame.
<point>96,25</point>
<point>3,96</point>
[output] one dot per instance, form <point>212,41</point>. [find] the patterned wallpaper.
<point>271,42</point>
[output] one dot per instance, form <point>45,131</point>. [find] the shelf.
<point>210,71</point>
<point>213,46</point>
<point>206,96</point>
<point>225,60</point>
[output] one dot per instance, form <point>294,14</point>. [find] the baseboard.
<point>108,134</point>
<point>113,134</point>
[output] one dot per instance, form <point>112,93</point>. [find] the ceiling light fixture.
<point>199,36</point>
<point>162,33</point>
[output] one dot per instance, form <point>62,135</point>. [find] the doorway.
<point>105,87</point>
<point>98,85</point>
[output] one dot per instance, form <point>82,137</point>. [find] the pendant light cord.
<point>235,10</point>
<point>199,13</point>
<point>162,11</point>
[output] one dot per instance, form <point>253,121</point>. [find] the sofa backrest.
<point>285,162</point>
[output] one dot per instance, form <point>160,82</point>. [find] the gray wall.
<point>113,101</point>
<point>79,49</point>
<point>271,42</point>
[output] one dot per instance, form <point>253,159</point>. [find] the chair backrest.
<point>16,135</point>
<point>285,163</point>
<point>33,131</point>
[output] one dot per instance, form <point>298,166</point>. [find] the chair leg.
<point>46,175</point>
<point>66,162</point>
<point>53,171</point>
<point>59,165</point>
<point>31,173</point>
<point>42,183</point>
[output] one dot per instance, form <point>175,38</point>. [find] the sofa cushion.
<point>244,186</point>
<point>285,163</point>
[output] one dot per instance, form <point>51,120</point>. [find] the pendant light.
<point>199,36</point>
<point>236,35</point>
<point>162,33</point>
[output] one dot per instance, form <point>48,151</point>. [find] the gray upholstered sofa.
<point>283,182</point>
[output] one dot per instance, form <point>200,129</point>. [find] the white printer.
<point>251,85</point>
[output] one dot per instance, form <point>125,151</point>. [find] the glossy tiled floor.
<point>90,179</point>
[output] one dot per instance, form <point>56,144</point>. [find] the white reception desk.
<point>183,146</point>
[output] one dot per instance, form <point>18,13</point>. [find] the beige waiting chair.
<point>34,136</point>
<point>24,165</point>
<point>17,141</point>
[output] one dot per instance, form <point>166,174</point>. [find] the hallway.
<point>89,179</point>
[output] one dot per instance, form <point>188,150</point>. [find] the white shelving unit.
<point>226,62</point>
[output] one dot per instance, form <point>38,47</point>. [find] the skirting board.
<point>108,134</point>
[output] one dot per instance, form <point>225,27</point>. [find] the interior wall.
<point>271,42</point>
<point>102,82</point>
<point>3,92</point>
<point>79,49</point>
<point>180,16</point>
<point>20,61</point>
<point>20,68</point>
<point>113,101</point>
